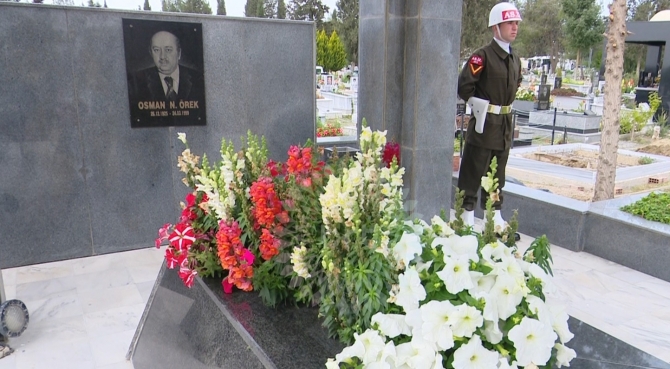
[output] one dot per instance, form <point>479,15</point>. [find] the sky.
<point>233,7</point>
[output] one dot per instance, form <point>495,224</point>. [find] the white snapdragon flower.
<point>507,294</point>
<point>366,134</point>
<point>391,325</point>
<point>407,248</point>
<point>533,341</point>
<point>181,136</point>
<point>487,184</point>
<point>473,355</point>
<point>436,327</point>
<point>411,290</point>
<point>564,355</point>
<point>456,274</point>
<point>465,320</point>
<point>298,261</point>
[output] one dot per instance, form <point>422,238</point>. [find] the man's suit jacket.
<point>146,85</point>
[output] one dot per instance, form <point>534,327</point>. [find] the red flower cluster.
<point>300,165</point>
<point>234,257</point>
<point>328,131</point>
<point>268,214</point>
<point>391,150</point>
<point>176,255</point>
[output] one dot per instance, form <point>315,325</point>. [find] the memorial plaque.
<point>165,71</point>
<point>543,96</point>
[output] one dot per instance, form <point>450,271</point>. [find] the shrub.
<point>654,207</point>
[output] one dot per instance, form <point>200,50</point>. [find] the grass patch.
<point>654,207</point>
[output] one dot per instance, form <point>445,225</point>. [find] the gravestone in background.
<point>543,97</point>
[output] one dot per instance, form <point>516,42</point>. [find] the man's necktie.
<point>171,95</point>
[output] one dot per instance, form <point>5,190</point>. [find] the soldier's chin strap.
<point>497,35</point>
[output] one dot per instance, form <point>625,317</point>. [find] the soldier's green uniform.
<point>494,75</point>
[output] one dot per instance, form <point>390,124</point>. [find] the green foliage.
<point>346,25</point>
<point>637,118</point>
<point>312,10</point>
<point>645,160</point>
<point>322,49</point>
<point>330,52</point>
<point>541,32</point>
<point>474,27</point>
<point>337,57</point>
<point>584,26</point>
<point>220,7</point>
<point>146,5</point>
<point>281,9</point>
<point>187,6</point>
<point>654,207</point>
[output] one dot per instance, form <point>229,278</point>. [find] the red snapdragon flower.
<point>391,150</point>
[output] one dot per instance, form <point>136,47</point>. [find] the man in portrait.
<point>168,93</point>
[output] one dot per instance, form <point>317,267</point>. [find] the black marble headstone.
<point>203,328</point>
<point>543,96</point>
<point>558,82</point>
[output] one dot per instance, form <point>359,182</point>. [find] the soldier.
<point>492,75</point>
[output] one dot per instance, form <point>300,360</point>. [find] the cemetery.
<point>255,214</point>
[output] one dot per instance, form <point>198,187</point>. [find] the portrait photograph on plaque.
<point>165,71</point>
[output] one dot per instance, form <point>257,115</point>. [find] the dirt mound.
<point>660,147</point>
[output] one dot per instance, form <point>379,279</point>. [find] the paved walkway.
<point>84,312</point>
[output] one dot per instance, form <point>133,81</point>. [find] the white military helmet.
<point>503,12</point>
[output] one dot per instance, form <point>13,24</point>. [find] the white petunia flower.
<point>411,290</point>
<point>473,355</point>
<point>436,323</point>
<point>507,294</point>
<point>407,248</point>
<point>481,283</point>
<point>539,308</point>
<point>456,246</point>
<point>533,341</point>
<point>443,228</point>
<point>492,332</point>
<point>415,354</point>
<point>547,284</point>
<point>504,364</point>
<point>511,267</point>
<point>391,325</point>
<point>332,364</point>
<point>564,355</point>
<point>456,274</point>
<point>496,251</point>
<point>559,322</point>
<point>465,320</point>
<point>373,343</point>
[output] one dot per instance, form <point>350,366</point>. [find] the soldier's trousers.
<point>474,165</point>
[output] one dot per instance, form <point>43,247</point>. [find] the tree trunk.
<point>578,57</point>
<point>609,137</point>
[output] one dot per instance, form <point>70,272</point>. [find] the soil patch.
<point>659,147</point>
<point>587,159</point>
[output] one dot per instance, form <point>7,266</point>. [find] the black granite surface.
<point>598,350</point>
<point>203,328</point>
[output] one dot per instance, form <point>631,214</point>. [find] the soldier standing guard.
<point>489,82</point>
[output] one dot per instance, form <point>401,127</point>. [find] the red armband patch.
<point>476,64</point>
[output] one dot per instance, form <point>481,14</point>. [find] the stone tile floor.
<point>84,312</point>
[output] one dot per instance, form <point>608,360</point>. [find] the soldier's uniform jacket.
<point>494,75</point>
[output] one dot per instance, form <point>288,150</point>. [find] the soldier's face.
<point>165,52</point>
<point>508,30</point>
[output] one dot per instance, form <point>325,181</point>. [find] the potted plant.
<point>524,99</point>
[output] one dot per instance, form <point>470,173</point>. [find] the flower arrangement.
<point>329,130</point>
<point>627,86</point>
<point>465,300</point>
<point>525,94</point>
